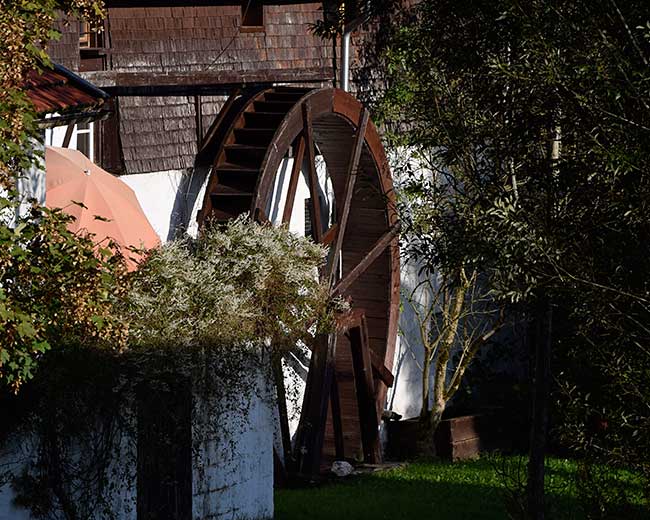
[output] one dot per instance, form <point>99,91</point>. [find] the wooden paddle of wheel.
<point>252,138</point>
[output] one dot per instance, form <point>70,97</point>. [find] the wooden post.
<point>311,429</point>
<point>337,425</point>
<point>365,389</point>
<point>293,181</point>
<point>312,176</point>
<point>278,375</point>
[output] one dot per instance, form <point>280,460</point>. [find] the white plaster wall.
<point>405,396</point>
<point>233,470</point>
<point>13,458</point>
<point>31,184</point>
<point>232,467</point>
<point>20,453</point>
<point>56,135</point>
<point>156,193</point>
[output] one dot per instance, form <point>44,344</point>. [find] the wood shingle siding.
<point>185,39</point>
<point>65,51</point>
<point>159,57</point>
<point>158,133</point>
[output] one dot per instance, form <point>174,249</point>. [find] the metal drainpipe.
<point>345,59</point>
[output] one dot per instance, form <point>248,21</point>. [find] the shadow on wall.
<point>406,395</point>
<point>188,200</point>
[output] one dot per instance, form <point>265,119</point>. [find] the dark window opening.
<point>252,15</point>
<point>92,47</point>
<point>90,37</point>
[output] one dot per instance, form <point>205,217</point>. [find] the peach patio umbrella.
<point>71,176</point>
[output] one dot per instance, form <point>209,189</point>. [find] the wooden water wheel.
<point>281,131</point>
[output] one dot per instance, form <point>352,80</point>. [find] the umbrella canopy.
<point>71,176</point>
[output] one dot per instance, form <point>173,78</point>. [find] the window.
<point>91,47</point>
<point>84,134</point>
<point>89,38</point>
<point>252,15</point>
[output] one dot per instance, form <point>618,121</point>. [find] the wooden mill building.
<point>222,108</point>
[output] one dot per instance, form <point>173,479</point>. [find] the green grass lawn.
<point>429,489</point>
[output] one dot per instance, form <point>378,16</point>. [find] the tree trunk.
<point>539,415</point>
<point>426,383</point>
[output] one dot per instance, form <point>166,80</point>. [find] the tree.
<point>535,121</point>
<point>53,284</point>
<point>26,28</point>
<point>455,319</point>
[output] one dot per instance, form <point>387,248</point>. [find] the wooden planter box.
<point>457,438</point>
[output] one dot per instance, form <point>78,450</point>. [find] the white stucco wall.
<point>232,463</point>
<point>156,193</point>
<point>233,472</point>
<point>13,458</point>
<point>405,396</point>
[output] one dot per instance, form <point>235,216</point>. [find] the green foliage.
<point>26,27</point>
<point>52,285</point>
<point>478,91</point>
<point>242,283</point>
<point>56,287</point>
<point>535,120</point>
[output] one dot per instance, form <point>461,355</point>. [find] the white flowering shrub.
<point>242,283</point>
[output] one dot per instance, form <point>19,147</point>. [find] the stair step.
<point>245,155</point>
<point>263,119</point>
<point>273,106</point>
<point>254,136</point>
<point>227,206</point>
<point>283,96</point>
<point>236,179</point>
<point>287,88</point>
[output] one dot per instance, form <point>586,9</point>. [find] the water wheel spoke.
<point>372,255</point>
<point>349,189</point>
<point>293,181</point>
<point>312,177</point>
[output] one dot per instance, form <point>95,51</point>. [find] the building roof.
<point>60,90</point>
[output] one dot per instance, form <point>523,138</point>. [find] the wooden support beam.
<point>311,429</point>
<point>372,255</point>
<point>365,390</point>
<point>312,176</point>
<point>380,371</point>
<point>209,82</point>
<point>260,217</point>
<point>281,394</point>
<point>330,235</point>
<point>349,190</point>
<point>68,135</point>
<point>293,181</point>
<point>337,424</point>
<point>280,473</point>
<point>198,115</point>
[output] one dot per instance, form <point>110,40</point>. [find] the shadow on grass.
<point>423,490</point>
<point>416,493</point>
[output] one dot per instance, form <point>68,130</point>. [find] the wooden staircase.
<point>238,161</point>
